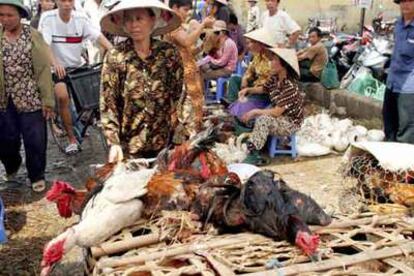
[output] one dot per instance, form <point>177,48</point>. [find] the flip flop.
<point>39,186</point>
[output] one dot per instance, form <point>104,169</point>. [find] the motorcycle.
<point>326,25</point>
<point>343,52</point>
<point>374,57</point>
<point>383,27</point>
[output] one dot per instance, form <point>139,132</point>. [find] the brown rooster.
<point>194,156</point>
<point>182,171</point>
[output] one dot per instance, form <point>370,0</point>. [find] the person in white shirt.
<point>65,30</point>
<point>280,24</point>
<point>79,5</point>
<point>253,16</point>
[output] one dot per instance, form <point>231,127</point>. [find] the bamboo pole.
<point>125,245</point>
<point>169,252</point>
<point>220,268</point>
<point>402,267</point>
<point>345,261</point>
<point>357,222</point>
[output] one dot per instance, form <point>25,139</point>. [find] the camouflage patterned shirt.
<point>139,97</point>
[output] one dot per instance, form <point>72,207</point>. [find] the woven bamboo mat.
<point>365,243</point>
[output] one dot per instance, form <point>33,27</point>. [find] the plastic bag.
<point>329,76</point>
<point>3,237</point>
<point>366,85</point>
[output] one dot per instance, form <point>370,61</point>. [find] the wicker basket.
<point>365,243</point>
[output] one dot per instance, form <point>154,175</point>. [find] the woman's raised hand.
<point>208,22</point>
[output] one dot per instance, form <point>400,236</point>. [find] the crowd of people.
<point>156,60</point>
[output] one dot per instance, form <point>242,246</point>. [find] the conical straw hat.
<point>166,19</point>
<point>262,36</point>
<point>289,56</point>
<point>224,2</point>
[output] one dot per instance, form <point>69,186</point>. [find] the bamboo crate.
<point>363,244</point>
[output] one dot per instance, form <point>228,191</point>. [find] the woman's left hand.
<point>48,112</point>
<point>251,115</point>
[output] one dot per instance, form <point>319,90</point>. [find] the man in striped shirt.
<point>65,30</point>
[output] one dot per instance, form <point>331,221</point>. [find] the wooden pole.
<point>219,268</point>
<point>125,245</point>
<point>368,255</point>
<point>168,252</point>
<point>337,224</point>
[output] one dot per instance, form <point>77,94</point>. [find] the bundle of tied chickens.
<point>191,177</point>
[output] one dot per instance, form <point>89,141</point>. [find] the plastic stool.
<point>274,141</point>
<point>220,87</point>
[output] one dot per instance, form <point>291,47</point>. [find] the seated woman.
<point>142,80</point>
<point>225,64</point>
<point>285,116</point>
<point>249,88</point>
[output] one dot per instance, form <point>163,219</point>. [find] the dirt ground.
<point>32,221</point>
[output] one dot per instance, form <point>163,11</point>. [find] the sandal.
<point>39,186</point>
<point>72,149</point>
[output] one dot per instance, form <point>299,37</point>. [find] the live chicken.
<point>191,177</point>
<point>116,206</point>
<point>68,200</point>
<point>113,201</point>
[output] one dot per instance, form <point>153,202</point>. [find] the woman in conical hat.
<point>248,90</point>
<point>26,94</point>
<point>142,80</point>
<point>285,116</point>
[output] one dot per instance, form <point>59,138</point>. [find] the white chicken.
<point>234,151</point>
<point>320,134</point>
<point>375,135</point>
<point>116,206</point>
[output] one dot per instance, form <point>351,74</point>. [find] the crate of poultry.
<point>175,245</point>
<point>381,173</point>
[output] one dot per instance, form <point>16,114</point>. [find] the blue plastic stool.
<point>220,87</point>
<point>273,144</point>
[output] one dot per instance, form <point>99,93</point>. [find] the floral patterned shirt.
<point>286,94</point>
<point>19,82</point>
<point>139,97</point>
<point>258,71</point>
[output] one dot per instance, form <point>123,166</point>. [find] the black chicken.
<point>268,212</point>
<point>305,206</point>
